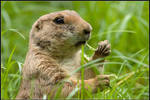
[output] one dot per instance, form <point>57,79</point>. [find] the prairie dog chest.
<point>71,64</point>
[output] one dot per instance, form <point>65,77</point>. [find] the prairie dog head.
<point>60,32</point>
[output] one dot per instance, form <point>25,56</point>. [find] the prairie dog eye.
<point>59,20</point>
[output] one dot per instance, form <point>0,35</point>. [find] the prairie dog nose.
<point>85,31</point>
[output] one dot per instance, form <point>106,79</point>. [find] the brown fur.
<point>54,53</point>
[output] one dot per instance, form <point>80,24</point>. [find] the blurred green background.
<point>125,24</point>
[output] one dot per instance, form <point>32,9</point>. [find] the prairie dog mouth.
<point>80,43</point>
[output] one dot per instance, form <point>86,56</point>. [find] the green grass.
<point>124,24</point>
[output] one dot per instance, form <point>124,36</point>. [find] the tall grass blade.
<point>16,31</point>
<point>82,73</point>
<point>6,18</point>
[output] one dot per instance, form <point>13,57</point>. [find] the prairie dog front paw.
<point>102,82</point>
<point>103,49</point>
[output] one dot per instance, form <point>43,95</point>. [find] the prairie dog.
<point>54,45</point>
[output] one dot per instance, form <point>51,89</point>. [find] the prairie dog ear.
<point>38,25</point>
